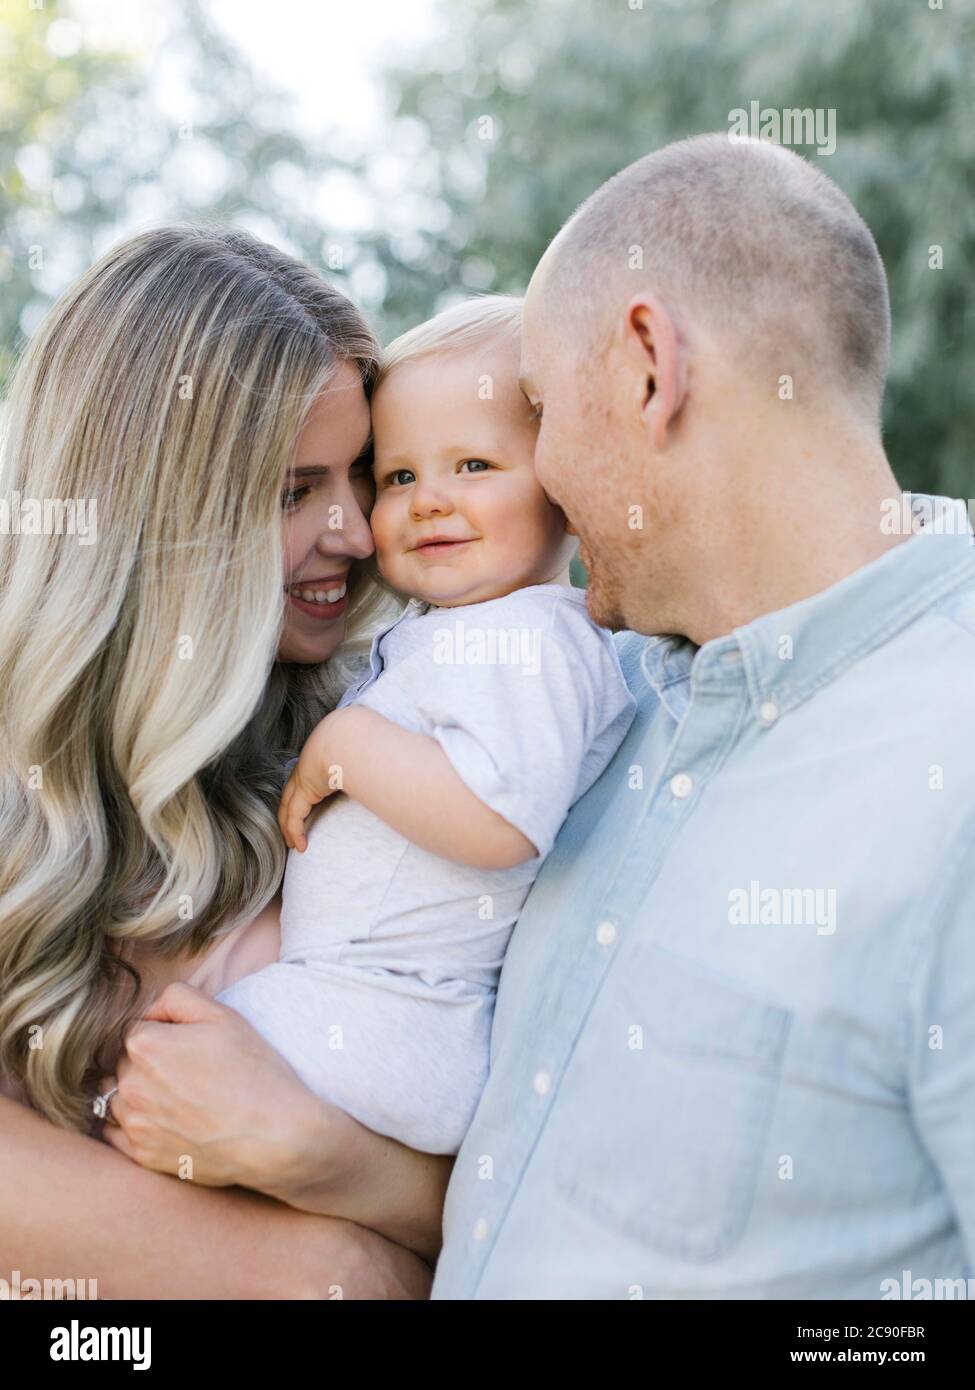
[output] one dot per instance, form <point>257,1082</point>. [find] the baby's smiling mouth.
<point>442,542</point>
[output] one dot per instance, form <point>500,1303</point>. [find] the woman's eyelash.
<point>293,493</point>
<point>362,468</point>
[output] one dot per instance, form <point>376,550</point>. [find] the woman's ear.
<point>654,341</point>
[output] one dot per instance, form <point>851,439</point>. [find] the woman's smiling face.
<point>325,509</point>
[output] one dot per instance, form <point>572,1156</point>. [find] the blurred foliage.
<point>43,102</point>
<point>88,154</point>
<point>514,115</point>
<point>576,89</point>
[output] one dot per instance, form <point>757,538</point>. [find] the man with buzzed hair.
<point>734,1041</point>
<point>750,286</point>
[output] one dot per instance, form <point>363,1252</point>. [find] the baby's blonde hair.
<point>485,318</point>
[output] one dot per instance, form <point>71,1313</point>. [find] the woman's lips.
<point>305,597</point>
<point>322,611</point>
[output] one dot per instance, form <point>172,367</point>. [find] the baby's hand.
<point>314,777</point>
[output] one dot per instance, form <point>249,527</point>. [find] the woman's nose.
<point>354,533</point>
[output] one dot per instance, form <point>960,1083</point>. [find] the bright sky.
<point>326,52</point>
<point>326,55</point>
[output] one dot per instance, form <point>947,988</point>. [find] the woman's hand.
<point>201,1095</point>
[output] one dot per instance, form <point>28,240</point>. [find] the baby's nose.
<point>429,500</point>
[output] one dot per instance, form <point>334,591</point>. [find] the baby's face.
<point>459,470</point>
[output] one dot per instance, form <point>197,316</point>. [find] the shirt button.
<point>542,1082</point>
<point>768,712</point>
<point>682,785</point>
<point>480,1228</point>
<point>606,933</point>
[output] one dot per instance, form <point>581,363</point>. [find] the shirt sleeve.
<point>942,1040</point>
<point>516,732</point>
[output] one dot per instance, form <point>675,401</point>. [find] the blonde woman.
<point>205,398</point>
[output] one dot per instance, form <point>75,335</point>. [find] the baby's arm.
<point>404,778</point>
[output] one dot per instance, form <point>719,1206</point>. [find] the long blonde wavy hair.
<point>144,720</point>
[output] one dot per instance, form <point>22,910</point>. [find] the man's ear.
<point>653,340</point>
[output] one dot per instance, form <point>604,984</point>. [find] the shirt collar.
<point>788,654</point>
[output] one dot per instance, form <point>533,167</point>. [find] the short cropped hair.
<point>747,237</point>
<point>475,322</point>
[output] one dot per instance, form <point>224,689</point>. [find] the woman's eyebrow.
<point>363,454</point>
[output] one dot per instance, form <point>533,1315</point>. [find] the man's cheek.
<point>546,475</point>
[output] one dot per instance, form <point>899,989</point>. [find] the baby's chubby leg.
<point>288,1004</point>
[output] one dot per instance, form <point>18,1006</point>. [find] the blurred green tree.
<point>90,151</point>
<point>42,97</point>
<point>525,106</point>
<point>518,111</point>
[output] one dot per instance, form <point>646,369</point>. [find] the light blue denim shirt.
<point>734,1043</point>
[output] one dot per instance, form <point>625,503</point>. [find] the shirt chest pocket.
<point>669,1094</point>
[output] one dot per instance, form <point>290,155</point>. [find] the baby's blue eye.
<point>394,476</point>
<point>483,462</point>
